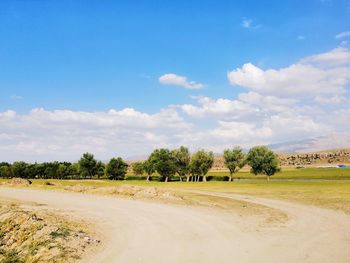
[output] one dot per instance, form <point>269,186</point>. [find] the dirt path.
<point>138,231</point>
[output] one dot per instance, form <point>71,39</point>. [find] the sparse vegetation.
<point>30,234</point>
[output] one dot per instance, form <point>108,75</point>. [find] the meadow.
<point>324,187</point>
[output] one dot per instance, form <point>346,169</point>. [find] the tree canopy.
<point>164,163</point>
<point>200,164</point>
<point>234,160</point>
<point>87,165</point>
<point>137,168</point>
<point>263,161</point>
<point>182,160</point>
<point>117,169</point>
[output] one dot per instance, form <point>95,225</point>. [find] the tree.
<point>19,169</point>
<point>137,168</point>
<point>101,167</point>
<point>73,170</point>
<point>234,160</point>
<point>87,165</point>
<point>263,161</point>
<point>200,164</point>
<point>51,170</point>
<point>63,170</point>
<point>116,169</point>
<point>164,163</point>
<point>5,170</point>
<point>148,167</point>
<point>182,160</point>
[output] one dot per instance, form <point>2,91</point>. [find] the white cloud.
<point>65,135</point>
<point>322,74</point>
<point>339,56</point>
<point>343,35</point>
<point>300,37</point>
<point>173,79</point>
<point>248,23</point>
<point>249,105</point>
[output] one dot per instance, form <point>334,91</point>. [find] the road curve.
<point>139,231</point>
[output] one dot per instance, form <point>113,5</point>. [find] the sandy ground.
<point>140,231</point>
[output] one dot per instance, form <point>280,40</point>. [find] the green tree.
<point>164,163</point>
<point>200,164</point>
<point>63,170</point>
<point>73,171</point>
<point>234,160</point>
<point>101,167</point>
<point>137,168</point>
<point>5,170</point>
<point>182,159</point>
<point>51,170</point>
<point>117,169</point>
<point>263,161</point>
<point>19,169</point>
<point>148,167</point>
<point>87,165</point>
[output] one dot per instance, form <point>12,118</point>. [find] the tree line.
<point>168,164</point>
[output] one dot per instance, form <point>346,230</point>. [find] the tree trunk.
<point>204,178</point>
<point>268,178</point>
<point>147,178</point>
<point>230,178</point>
<point>180,178</point>
<point>166,179</point>
<point>187,178</point>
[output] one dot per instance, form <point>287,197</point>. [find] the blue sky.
<point>93,56</point>
<point>97,56</point>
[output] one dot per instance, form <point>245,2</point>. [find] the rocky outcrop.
<point>340,156</point>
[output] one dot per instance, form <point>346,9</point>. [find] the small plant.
<point>10,256</point>
<point>61,231</point>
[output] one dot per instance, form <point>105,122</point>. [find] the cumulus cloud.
<point>339,56</point>
<point>249,105</point>
<point>173,79</point>
<point>65,135</point>
<point>343,35</point>
<point>322,74</point>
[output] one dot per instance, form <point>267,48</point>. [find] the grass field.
<point>294,174</point>
<point>328,188</point>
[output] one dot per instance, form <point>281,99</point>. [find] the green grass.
<point>294,174</point>
<point>326,187</point>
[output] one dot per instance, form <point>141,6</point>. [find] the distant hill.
<point>323,143</point>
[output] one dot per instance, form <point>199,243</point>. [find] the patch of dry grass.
<point>30,233</point>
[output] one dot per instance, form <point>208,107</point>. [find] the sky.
<point>121,78</point>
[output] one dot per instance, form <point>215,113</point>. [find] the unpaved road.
<point>139,231</point>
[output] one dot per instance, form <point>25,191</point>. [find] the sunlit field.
<point>321,187</point>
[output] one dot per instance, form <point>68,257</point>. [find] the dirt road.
<point>140,231</point>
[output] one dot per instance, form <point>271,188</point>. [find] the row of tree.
<point>166,163</point>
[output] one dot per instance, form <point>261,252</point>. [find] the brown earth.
<point>139,231</point>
